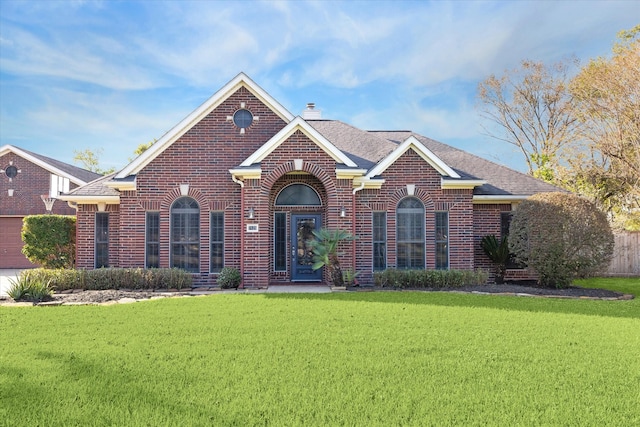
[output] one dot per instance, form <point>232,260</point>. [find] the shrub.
<point>113,278</point>
<point>498,252</point>
<point>417,279</point>
<point>326,254</point>
<point>49,240</point>
<point>229,278</point>
<point>560,236</point>
<point>30,288</point>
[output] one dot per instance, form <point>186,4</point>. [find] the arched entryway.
<point>298,205</point>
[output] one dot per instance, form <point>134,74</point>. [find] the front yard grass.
<point>387,358</point>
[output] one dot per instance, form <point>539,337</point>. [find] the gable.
<point>240,81</point>
<point>427,155</point>
<point>74,174</point>
<point>298,124</point>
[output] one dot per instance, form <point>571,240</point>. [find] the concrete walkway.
<point>5,275</point>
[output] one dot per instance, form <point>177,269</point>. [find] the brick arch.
<point>175,194</point>
<point>269,181</point>
<point>420,194</point>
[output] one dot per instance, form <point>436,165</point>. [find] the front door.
<point>302,226</point>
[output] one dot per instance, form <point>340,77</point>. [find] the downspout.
<point>353,224</point>
<point>241,184</point>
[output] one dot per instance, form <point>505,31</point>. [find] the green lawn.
<point>387,358</point>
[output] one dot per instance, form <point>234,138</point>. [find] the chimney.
<point>310,113</point>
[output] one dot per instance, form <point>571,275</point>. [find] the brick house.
<point>26,180</point>
<point>241,182</point>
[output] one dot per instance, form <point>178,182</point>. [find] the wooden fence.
<point>626,255</point>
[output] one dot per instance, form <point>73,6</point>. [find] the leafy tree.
<point>561,236</point>
<point>49,240</point>
<point>606,95</point>
<point>326,254</point>
<point>142,148</point>
<point>89,159</point>
<point>532,110</point>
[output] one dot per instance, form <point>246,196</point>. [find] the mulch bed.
<point>528,288</point>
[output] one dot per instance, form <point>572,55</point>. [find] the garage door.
<point>11,244</point>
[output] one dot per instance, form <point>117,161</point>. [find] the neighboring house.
<point>27,180</point>
<point>241,182</point>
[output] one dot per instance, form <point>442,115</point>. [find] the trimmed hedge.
<point>392,278</point>
<point>112,278</point>
<point>49,240</point>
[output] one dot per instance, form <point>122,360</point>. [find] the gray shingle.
<point>367,148</point>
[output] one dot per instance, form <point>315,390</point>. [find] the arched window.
<point>410,234</point>
<point>298,195</point>
<point>185,235</point>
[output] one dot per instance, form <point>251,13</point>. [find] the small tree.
<point>49,240</point>
<point>498,252</point>
<point>325,252</point>
<point>561,236</point>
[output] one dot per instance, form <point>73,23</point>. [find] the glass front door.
<point>302,226</point>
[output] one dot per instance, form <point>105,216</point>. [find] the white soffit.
<point>198,114</point>
<point>418,147</point>
<point>298,124</point>
<point>498,199</point>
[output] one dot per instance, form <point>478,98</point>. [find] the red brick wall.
<point>85,237</point>
<point>410,168</point>
<point>202,158</point>
<point>28,185</point>
<point>486,220</point>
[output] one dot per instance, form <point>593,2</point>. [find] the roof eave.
<point>89,200</point>
<point>499,198</point>
<point>458,184</point>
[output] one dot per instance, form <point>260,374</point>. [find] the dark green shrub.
<point>31,288</point>
<point>416,279</point>
<point>561,236</point>
<point>49,240</point>
<point>498,252</point>
<point>229,278</point>
<point>113,278</point>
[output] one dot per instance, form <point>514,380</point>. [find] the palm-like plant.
<point>498,252</point>
<point>325,252</point>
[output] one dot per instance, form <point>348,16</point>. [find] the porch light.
<point>251,213</point>
<point>343,212</point>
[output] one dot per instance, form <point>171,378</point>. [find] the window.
<point>243,118</point>
<point>217,242</point>
<point>505,223</point>
<point>152,238</point>
<point>102,240</point>
<point>410,234</point>
<point>11,172</point>
<point>298,195</point>
<point>442,240</point>
<point>280,241</point>
<point>185,235</point>
<point>58,185</point>
<point>379,241</point>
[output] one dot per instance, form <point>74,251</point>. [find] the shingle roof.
<point>95,188</point>
<point>367,148</point>
<point>83,174</point>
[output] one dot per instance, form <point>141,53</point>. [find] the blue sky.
<point>114,74</point>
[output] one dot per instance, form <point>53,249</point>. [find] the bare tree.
<point>531,107</point>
